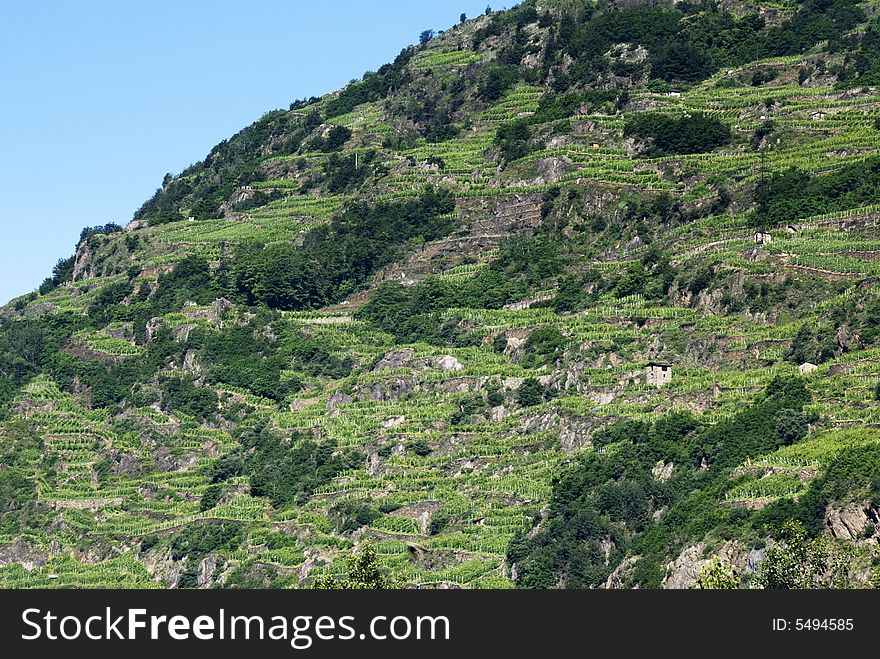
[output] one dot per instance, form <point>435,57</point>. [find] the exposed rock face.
<point>807,368</point>
<point>657,347</point>
<point>685,570</point>
<point>162,567</point>
<point>663,472</point>
<point>710,302</point>
<point>83,266</point>
<point>391,389</point>
<point>849,522</point>
<point>153,326</point>
<point>23,553</point>
<point>574,431</point>
<point>394,359</point>
<point>192,365</point>
<point>844,339</point>
<point>393,422</point>
<point>338,398</point>
<point>622,572</point>
<point>551,169</point>
<point>449,363</point>
<point>207,569</point>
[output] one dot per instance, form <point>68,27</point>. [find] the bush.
<point>791,426</point>
<point>545,345</point>
<point>180,393</point>
<point>198,540</point>
<point>211,497</point>
<point>513,138</point>
<point>352,515</point>
<point>665,135</point>
<point>285,471</point>
<point>419,447</point>
<point>530,393</point>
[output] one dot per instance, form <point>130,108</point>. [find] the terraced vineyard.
<point>191,409</point>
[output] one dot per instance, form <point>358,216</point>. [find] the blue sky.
<point>100,99</point>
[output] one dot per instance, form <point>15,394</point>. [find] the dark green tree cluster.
<point>792,194</point>
<point>665,135</point>
<point>285,471</point>
<point>337,258</point>
<point>415,313</point>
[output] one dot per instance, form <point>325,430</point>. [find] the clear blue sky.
<point>100,99</point>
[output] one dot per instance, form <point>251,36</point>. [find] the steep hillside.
<point>572,294</point>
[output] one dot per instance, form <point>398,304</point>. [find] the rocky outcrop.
<point>663,471</point>
<point>21,552</point>
<point>574,431</point>
<point>685,570</point>
<point>394,359</point>
<point>338,398</point>
<point>853,521</point>
<point>621,574</point>
<point>448,363</point>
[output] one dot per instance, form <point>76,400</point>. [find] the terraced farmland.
<point>275,364</point>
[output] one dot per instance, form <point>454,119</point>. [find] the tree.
<point>530,392</point>
<point>462,18</point>
<point>791,426</point>
<point>426,36</point>
<point>717,575</point>
<point>363,574</point>
<point>488,10</point>
<point>799,562</point>
<point>803,345</point>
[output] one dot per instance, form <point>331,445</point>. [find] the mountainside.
<point>574,294</point>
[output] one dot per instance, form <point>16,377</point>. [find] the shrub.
<point>791,425</point>
<point>530,393</point>
<point>664,134</point>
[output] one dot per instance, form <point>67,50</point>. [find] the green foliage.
<point>364,573</point>
<point>210,498</point>
<point>791,426</point>
<point>255,575</point>
<point>439,521</point>
<point>19,509</point>
<point>351,515</point>
<point>664,134</point>
<point>258,200</point>
<point>61,273</point>
<point>101,230</point>
<point>180,393</point>
<point>343,172</point>
<point>413,315</point>
<point>335,259</point>
<point>419,447</point>
<point>853,470</point>
<point>793,194</point>
<point>336,138</point>
<point>285,471</point>
<point>513,139</point>
<point>499,78</point>
<point>797,563</point>
<point>717,575</point>
<point>30,346</point>
<point>189,281</point>
<point>545,345</point>
<point>241,357</point>
<point>373,86</point>
<point>530,393</point>
<point>198,540</point>
<point>609,496</point>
